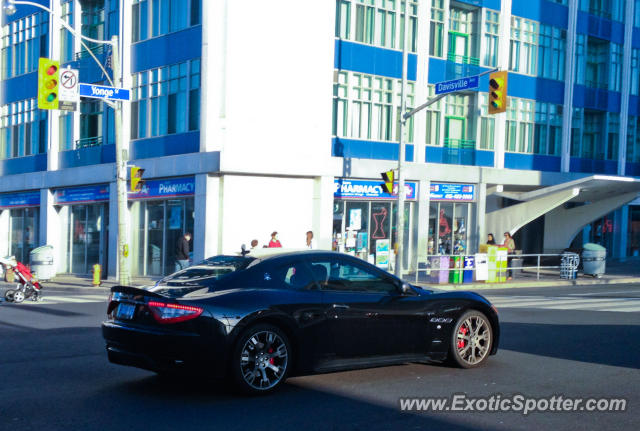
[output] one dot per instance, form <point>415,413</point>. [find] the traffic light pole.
<point>124,276</point>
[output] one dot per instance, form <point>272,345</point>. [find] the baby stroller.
<point>27,287</point>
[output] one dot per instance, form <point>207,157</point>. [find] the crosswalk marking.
<point>567,303</point>
<point>70,298</point>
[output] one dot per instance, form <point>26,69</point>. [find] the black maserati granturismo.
<point>258,319</point>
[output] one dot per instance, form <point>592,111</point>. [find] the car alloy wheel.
<point>472,340</point>
<point>262,359</point>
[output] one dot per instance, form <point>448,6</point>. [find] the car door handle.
<point>343,306</point>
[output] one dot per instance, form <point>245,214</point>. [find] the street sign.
<point>104,92</point>
<point>68,94</point>
<point>457,85</point>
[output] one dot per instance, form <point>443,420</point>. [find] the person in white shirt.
<point>311,243</point>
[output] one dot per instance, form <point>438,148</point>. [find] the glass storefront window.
<point>634,231</point>
<point>448,228</point>
<point>155,237</point>
<point>24,228</point>
<point>88,238</point>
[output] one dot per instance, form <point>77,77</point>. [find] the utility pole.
<point>401,149</point>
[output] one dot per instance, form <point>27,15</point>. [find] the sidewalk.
<point>86,282</point>
<point>617,272</point>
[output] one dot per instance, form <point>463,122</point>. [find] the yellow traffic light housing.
<point>136,178</point>
<point>48,81</point>
<point>497,92</point>
<point>387,177</point>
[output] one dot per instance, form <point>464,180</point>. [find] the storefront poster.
<point>171,187</point>
<point>452,192</point>
<point>175,218</point>
<point>72,195</point>
<point>382,253</point>
<point>21,199</point>
<point>368,189</point>
<point>355,219</point>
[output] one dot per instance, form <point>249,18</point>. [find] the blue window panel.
<point>354,148</point>
<point>491,4</point>
<point>23,165</point>
<point>19,88</point>
<point>635,39</point>
<point>372,60</point>
<point>593,166</point>
<point>596,98</point>
<point>632,169</point>
<point>528,87</point>
<point>536,162</point>
<point>437,70</point>
<point>485,158</point>
<point>634,105</point>
<point>22,11</point>
<point>600,27</point>
<point>87,156</point>
<point>456,156</point>
<point>546,12</point>
<point>169,145</point>
<point>161,51</point>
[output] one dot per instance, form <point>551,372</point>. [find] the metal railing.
<point>463,59</point>
<point>89,142</point>
<point>568,261</point>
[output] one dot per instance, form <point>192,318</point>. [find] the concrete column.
<point>4,227</point>
<point>626,82</point>
<point>569,72</point>
<point>206,229</point>
<point>50,226</point>
<point>503,64</point>
<point>421,225</point>
<point>322,223</point>
<point>213,72</point>
<point>481,217</point>
<point>112,270</point>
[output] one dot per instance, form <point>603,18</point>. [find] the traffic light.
<point>497,92</point>
<point>136,178</point>
<point>387,177</point>
<point>48,81</point>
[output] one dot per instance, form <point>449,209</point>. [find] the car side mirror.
<point>405,289</point>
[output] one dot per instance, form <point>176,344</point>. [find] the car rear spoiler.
<point>135,291</point>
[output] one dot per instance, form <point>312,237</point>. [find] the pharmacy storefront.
<point>364,219</point>
<point>20,216</point>
<point>452,215</point>
<point>84,212</point>
<point>160,214</point>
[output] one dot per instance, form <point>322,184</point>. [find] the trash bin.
<point>41,262</point>
<point>469,267</point>
<point>569,265</point>
<point>594,259</point>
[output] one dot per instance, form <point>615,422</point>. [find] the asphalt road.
<point>54,374</point>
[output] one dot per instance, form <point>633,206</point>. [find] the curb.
<point>497,286</point>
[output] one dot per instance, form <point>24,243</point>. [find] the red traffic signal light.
<point>48,79</point>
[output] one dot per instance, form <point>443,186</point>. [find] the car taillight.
<point>112,305</point>
<point>173,313</point>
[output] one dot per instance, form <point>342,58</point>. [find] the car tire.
<point>471,340</point>
<point>261,359</point>
<point>8,295</point>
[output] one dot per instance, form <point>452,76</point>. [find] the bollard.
<point>97,270</point>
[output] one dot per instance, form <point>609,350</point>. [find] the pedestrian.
<point>254,244</point>
<point>182,251</point>
<point>311,243</point>
<point>275,242</point>
<point>491,240</point>
<point>510,244</point>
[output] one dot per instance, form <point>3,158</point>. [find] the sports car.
<point>259,318</point>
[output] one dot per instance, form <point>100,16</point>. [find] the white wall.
<point>253,207</point>
<point>279,80</point>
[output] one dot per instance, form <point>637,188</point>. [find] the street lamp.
<point>121,154</point>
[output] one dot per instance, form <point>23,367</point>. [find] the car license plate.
<point>125,311</point>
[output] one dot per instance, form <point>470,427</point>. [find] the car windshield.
<point>201,276</point>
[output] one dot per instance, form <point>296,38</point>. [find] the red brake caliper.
<point>463,331</point>
<point>271,361</point>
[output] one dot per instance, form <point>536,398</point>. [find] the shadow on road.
<point>599,344</point>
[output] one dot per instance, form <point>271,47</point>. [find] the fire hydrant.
<point>97,271</point>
